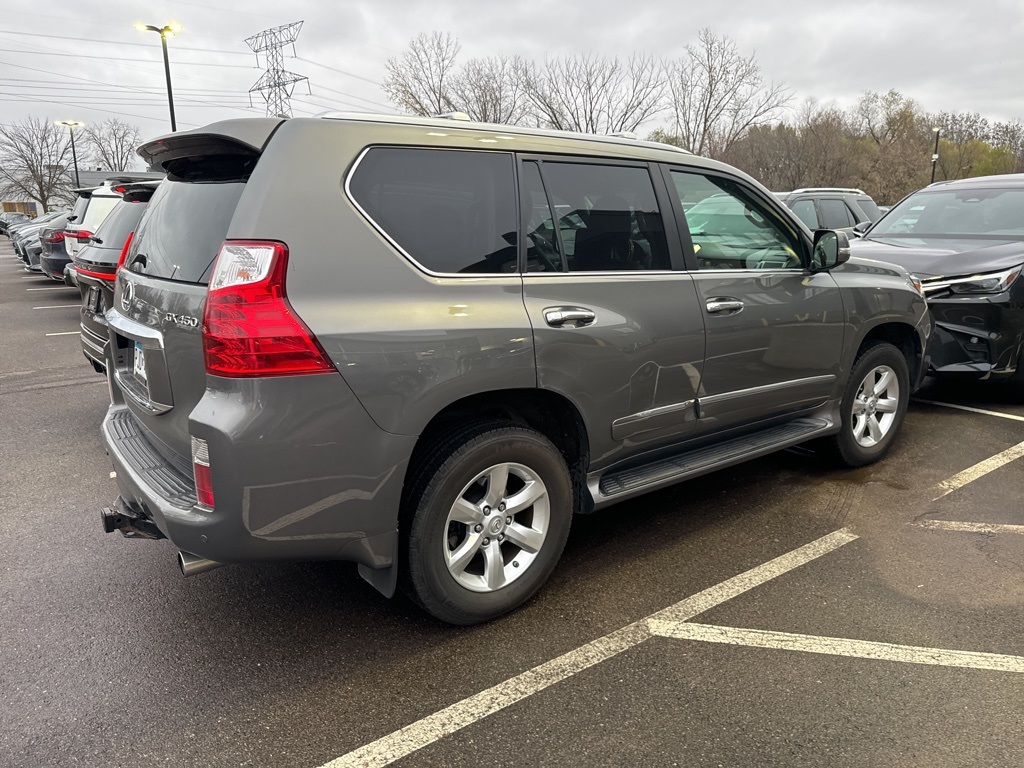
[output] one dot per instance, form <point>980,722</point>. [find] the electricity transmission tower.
<point>277,83</point>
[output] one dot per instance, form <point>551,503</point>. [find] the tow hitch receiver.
<point>131,525</point>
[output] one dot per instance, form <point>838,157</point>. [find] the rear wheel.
<point>489,515</point>
<point>874,405</point>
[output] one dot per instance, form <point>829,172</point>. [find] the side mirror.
<point>831,248</point>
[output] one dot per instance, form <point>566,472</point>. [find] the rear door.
<point>156,318</point>
<point>617,329</point>
<point>774,329</point>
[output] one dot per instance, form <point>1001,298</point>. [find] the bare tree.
<point>112,144</point>
<point>420,80</point>
<point>34,158</point>
<point>491,90</point>
<point>717,95</point>
<point>595,94</point>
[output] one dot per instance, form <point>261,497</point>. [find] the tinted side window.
<point>452,211</point>
<point>804,209</point>
<point>182,230</point>
<point>730,230</point>
<point>608,217</point>
<point>867,205</point>
<point>542,254</point>
<point>835,214</point>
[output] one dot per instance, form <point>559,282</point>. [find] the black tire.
<point>856,444</point>
<point>454,479</point>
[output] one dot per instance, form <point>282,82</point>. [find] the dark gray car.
<point>964,240</point>
<point>423,344</point>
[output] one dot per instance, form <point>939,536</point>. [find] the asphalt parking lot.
<point>779,613</point>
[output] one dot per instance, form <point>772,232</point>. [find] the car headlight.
<point>993,282</point>
<point>915,283</point>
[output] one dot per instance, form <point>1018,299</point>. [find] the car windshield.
<point>956,213</point>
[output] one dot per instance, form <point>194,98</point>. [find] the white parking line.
<point>956,525</point>
<point>424,732</point>
<point>837,646</point>
<point>980,469</point>
<point>972,410</point>
<point>53,288</point>
<point>65,333</point>
<point>59,306</point>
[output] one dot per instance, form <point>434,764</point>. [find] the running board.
<point>627,482</point>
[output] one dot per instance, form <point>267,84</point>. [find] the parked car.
<point>499,327</point>
<point>25,238</point>
<point>92,207</point>
<point>964,240</point>
<point>831,207</point>
<point>53,258</point>
<point>95,266</point>
<point>7,218</point>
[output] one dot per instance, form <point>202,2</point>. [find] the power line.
<point>121,42</point>
<point>128,58</point>
<point>339,71</point>
<point>100,82</point>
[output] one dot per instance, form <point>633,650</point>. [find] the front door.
<point>774,329</point>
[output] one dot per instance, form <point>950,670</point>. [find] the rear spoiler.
<point>246,136</point>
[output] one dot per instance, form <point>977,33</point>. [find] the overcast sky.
<point>82,59</point>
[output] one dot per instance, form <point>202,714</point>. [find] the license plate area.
<point>139,363</point>
<point>92,301</point>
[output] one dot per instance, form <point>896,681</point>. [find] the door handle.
<point>724,305</point>
<point>574,317</point>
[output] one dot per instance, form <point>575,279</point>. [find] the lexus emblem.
<point>127,295</point>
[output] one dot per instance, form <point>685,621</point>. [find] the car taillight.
<point>82,234</point>
<point>98,275</point>
<point>249,328</point>
<point>201,469</point>
<point>54,237</point>
<point>124,251</point>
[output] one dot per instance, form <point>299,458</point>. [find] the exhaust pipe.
<point>191,564</point>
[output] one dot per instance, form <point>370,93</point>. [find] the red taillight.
<point>124,250</point>
<point>201,470</point>
<point>249,328</point>
<point>54,237</point>
<point>82,234</point>
<point>98,275</point>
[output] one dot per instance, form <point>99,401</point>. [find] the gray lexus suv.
<point>423,345</point>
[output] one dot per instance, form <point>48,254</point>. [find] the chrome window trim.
<point>711,399</point>
<point>394,244</point>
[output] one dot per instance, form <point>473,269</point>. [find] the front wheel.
<point>490,515</point>
<point>874,405</point>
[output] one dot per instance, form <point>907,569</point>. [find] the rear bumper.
<point>53,266</point>
<point>287,484</point>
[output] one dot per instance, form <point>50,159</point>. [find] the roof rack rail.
<point>624,135</point>
<point>850,190</point>
<point>454,116</point>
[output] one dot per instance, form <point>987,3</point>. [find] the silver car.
<point>423,345</point>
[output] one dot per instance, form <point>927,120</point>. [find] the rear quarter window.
<point>451,211</point>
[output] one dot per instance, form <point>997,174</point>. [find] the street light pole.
<point>72,124</point>
<point>166,32</point>
<point>935,154</point>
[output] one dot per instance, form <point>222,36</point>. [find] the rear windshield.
<point>99,207</point>
<point>182,230</point>
<point>79,210</point>
<point>115,228</point>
